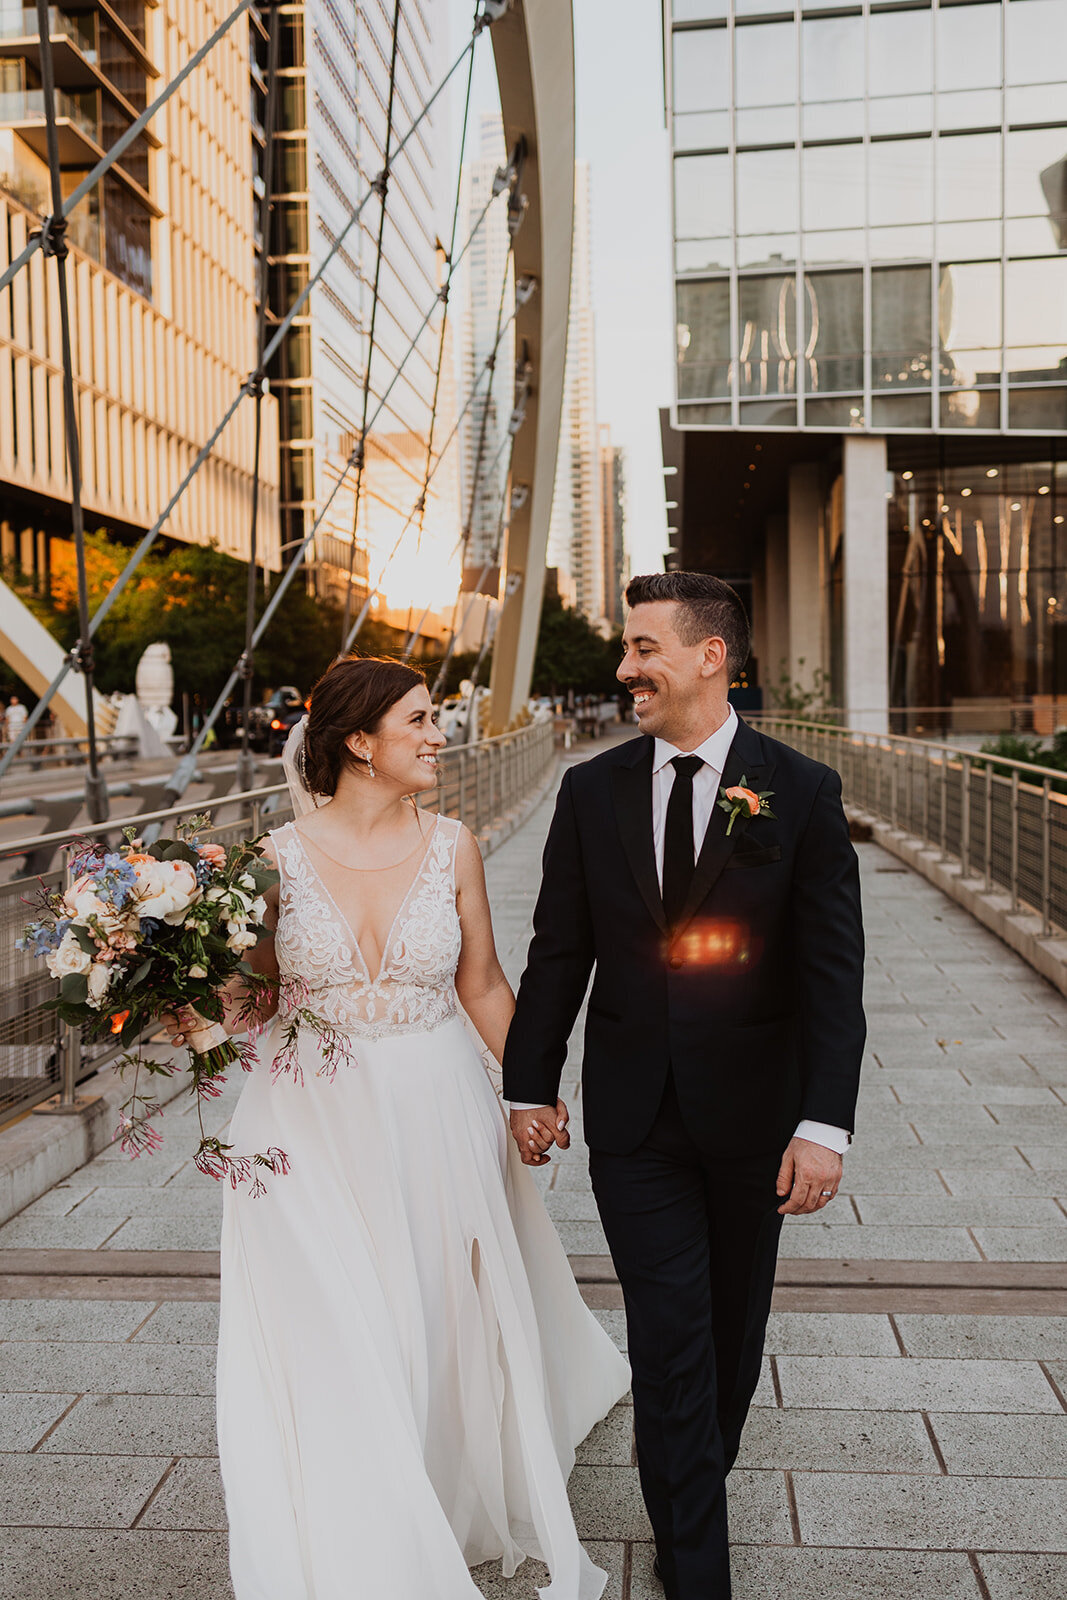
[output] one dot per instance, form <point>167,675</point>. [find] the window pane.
<point>1036,303</point>
<point>772,250</point>
<point>833,186</point>
<point>768,414</point>
<point>766,64</point>
<point>702,206</point>
<point>971,409</point>
<point>842,247</point>
<point>901,181</point>
<point>901,56</point>
<point>847,412</point>
<point>697,255</point>
<point>900,411</point>
<point>968,315</point>
<point>702,130</point>
<point>832,58</point>
<point>1031,27</point>
<point>768,331</point>
<point>968,175</point>
<point>1036,363</point>
<point>766,191</point>
<point>1037,408</point>
<point>1035,174</point>
<point>701,70</point>
<point>767,125</point>
<point>900,328</point>
<point>834,345</point>
<point>839,119</point>
<point>905,113</point>
<point>969,108</point>
<point>1034,236</point>
<point>703,339</point>
<point>968,46</point>
<point>960,241</point>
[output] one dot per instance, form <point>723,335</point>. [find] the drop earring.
<point>370,766</point>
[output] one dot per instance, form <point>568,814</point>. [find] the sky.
<point>620,131</point>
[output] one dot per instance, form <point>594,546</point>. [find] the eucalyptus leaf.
<point>74,988</point>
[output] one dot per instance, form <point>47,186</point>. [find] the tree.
<point>571,654</point>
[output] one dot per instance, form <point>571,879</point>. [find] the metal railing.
<point>480,784</point>
<point>1004,821</point>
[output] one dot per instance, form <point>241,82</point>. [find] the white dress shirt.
<point>706,783</point>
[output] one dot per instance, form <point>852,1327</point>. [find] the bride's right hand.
<point>177,1024</point>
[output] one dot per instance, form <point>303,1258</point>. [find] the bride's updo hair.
<point>351,697</point>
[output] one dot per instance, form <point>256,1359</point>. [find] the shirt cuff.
<point>523,1105</point>
<point>836,1139</point>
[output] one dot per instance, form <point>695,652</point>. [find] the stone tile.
<point>583,1238</point>
<point>1058,1372</point>
<point>806,1574</point>
<point>829,1333</point>
<point>111,1200</point>
<point>573,1205</point>
<point>71,1319</point>
<point>1023,1244</point>
<point>899,1178</point>
<point>182,1322</point>
<point>49,1491</point>
<point>1042,1157</point>
<point>948,1211</point>
<point>999,1446</point>
<point>838,1441</point>
<point>1003,1338</point>
<point>607,1503</point>
<point>141,1424</point>
<point>166,1233</point>
<point>942,1124</point>
<point>765,1395</point>
<point>56,1233</point>
<point>611,1442</point>
<point>1022,1123</point>
<point>928,1513</point>
<point>874,1383</point>
<point>614,1323</point>
<point>81,1564</point>
<point>968,1181</point>
<point>1000,1075</point>
<point>1041,1577</point>
<point>26,1418</point>
<point>58,1202</point>
<point>853,1242</point>
<point>533,1575</point>
<point>191,1498</point>
<point>84,1368</point>
<point>935,1154</point>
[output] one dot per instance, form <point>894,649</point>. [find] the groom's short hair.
<point>707,609</point>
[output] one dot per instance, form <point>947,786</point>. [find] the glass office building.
<point>870,248</point>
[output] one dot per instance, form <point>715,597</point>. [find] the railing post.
<point>892,786</point>
<point>1046,857</point>
<point>944,803</point>
<point>1014,838</point>
<point>965,819</point>
<point>989,827</point>
<point>462,776</point>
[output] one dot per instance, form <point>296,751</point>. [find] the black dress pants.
<point>694,1238</point>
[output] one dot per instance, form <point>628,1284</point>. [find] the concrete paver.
<point>888,1456</point>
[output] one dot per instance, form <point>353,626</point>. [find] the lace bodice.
<point>322,967</point>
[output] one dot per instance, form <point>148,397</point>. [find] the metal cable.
<point>381,186</point>
<point>206,449</point>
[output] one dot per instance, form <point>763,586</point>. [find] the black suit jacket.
<point>754,1001</point>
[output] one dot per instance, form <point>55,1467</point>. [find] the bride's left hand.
<point>536,1131</point>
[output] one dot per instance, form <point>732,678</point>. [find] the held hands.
<point>809,1176</point>
<point>536,1131</point>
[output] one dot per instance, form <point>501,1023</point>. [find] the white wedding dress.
<point>405,1364</point>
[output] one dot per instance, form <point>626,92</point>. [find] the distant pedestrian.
<point>15,715</point>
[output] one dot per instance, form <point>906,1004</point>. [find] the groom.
<point>723,1041</point>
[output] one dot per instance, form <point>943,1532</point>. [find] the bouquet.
<point>145,932</point>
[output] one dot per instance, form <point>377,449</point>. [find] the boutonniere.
<point>742,803</point>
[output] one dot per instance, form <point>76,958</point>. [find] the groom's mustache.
<point>636,685</point>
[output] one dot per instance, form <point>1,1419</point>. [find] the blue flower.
<point>150,926</point>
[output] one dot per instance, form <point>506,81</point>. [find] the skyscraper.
<point>871,288</point>
<point>613,522</point>
<point>575,540</point>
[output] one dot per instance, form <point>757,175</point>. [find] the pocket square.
<point>755,856</point>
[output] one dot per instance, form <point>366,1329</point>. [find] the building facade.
<point>870,237</point>
<point>613,524</point>
<point>162,282</point>
<point>330,147</point>
<point>575,539</point>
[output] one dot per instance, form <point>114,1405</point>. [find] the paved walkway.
<point>910,1433</point>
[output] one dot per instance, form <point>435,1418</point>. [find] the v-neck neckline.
<point>343,920</point>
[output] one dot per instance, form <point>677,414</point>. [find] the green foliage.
<point>1030,748</point>
<point>571,654</point>
<point>808,702</point>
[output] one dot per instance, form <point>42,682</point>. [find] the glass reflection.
<point>844,412</point>
<point>971,408</point>
<point>1035,177</point>
<point>766,191</point>
<point>838,119</point>
<point>845,246</point>
<point>1033,237</point>
<point>901,185</point>
<point>703,338</point>
<point>765,64</point>
<point>833,347</point>
<point>900,328</point>
<point>896,244</point>
<point>901,53</point>
<point>969,108</point>
<point>905,113</point>
<point>968,317</point>
<point>767,125</point>
<point>1030,26</point>
<point>701,80</point>
<point>831,58</point>
<point>702,130</point>
<point>1033,409</point>
<point>955,239</point>
<point>968,46</point>
<point>968,172</point>
<point>1036,103</point>
<point>1035,294</point>
<point>767,250</point>
<point>900,411</point>
<point>702,198</point>
<point>767,333</point>
<point>833,186</point>
<point>697,255</point>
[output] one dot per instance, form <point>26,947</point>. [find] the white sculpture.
<point>155,677</point>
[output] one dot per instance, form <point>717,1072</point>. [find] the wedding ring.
<point>827,1194</point>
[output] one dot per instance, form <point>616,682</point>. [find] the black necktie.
<point>678,838</point>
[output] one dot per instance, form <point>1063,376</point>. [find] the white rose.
<point>68,958</point>
<point>259,909</point>
<point>241,941</point>
<point>213,895</point>
<point>247,881</point>
<point>169,891</point>
<point>99,982</point>
<point>198,971</point>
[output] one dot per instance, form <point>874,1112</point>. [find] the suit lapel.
<point>632,795</point>
<point>745,760</point>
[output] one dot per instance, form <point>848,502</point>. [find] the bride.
<point>405,1364</point>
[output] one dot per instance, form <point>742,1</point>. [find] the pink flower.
<point>213,854</point>
<point>738,792</point>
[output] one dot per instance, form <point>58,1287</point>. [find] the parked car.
<point>286,707</point>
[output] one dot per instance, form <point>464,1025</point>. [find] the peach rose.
<point>213,854</point>
<point>751,800</point>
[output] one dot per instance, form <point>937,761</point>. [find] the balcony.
<point>79,136</point>
<point>74,44</point>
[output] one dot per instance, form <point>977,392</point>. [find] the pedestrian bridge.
<point>909,1436</point>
